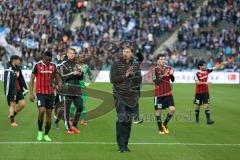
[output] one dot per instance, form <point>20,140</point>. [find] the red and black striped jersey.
<point>161,78</point>
<point>202,76</point>
<point>44,77</point>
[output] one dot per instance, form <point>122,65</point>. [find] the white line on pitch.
<point>133,143</point>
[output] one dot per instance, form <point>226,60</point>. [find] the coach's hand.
<point>32,97</point>
<point>129,71</point>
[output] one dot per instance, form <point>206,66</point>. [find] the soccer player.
<point>202,92</point>
<point>125,75</point>
<point>58,109</point>
<point>45,73</point>
<point>71,73</point>
<point>86,71</point>
<point>162,75</point>
<point>15,88</point>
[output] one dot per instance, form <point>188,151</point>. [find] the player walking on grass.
<point>86,71</point>
<point>15,88</point>
<point>162,75</point>
<point>83,84</point>
<point>46,74</point>
<point>71,73</point>
<point>202,91</point>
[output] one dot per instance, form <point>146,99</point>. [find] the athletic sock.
<point>40,124</point>
<point>197,113</point>
<point>169,116</point>
<point>207,112</point>
<point>12,119</point>
<point>47,127</point>
<point>15,113</point>
<point>159,123</point>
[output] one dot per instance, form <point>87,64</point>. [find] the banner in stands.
<point>180,77</point>
<point>183,77</point>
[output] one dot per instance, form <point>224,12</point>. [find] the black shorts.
<point>163,102</point>
<point>45,100</point>
<point>15,98</point>
<point>58,98</point>
<point>202,98</point>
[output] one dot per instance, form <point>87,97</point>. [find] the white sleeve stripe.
<point>155,100</point>
<point>8,70</point>
<point>8,83</point>
<point>58,65</point>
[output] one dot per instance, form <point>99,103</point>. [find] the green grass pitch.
<point>186,141</point>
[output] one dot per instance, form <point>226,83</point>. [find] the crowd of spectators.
<point>36,25</point>
<point>39,25</point>
<point>141,22</point>
<point>202,31</point>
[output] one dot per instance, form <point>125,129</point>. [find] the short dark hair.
<point>48,54</point>
<point>160,55</point>
<point>14,57</point>
<point>201,63</point>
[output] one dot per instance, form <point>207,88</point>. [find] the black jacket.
<point>67,69</point>
<point>126,88</point>
<point>10,80</point>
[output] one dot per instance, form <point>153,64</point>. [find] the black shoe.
<point>209,122</point>
<point>138,121</point>
<point>127,149</point>
<point>56,126</point>
<point>121,150</point>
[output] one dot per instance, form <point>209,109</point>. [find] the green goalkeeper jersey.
<point>86,71</point>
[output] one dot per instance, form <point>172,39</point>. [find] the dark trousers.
<point>78,103</point>
<point>124,122</point>
<point>136,114</point>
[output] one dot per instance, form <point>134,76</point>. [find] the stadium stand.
<point>39,25</point>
